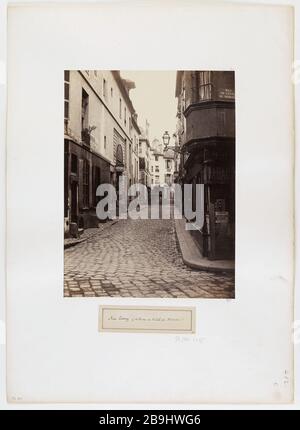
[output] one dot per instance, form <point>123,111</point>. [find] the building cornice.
<point>86,148</point>
<point>145,139</point>
<point>192,144</point>
<point>116,74</point>
<point>209,105</point>
<point>134,123</point>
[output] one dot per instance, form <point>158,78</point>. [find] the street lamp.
<point>166,139</point>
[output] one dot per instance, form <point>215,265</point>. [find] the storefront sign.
<point>221,217</point>
<point>226,93</point>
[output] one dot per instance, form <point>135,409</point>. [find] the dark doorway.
<point>74,201</point>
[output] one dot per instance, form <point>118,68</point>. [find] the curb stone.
<point>76,242</point>
<point>192,256</point>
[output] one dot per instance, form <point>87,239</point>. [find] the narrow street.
<point>138,258</point>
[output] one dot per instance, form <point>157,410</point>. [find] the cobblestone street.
<point>138,258</point>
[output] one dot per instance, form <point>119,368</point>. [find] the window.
<point>157,168</point>
<point>84,109</point>
<point>104,143</point>
<point>120,108</point>
<point>85,136</point>
<point>168,164</point>
<point>151,168</point>
<point>119,155</point>
<point>66,110</point>
<point>111,92</point>
<point>86,183</point>
<point>141,163</point>
<point>104,88</point>
<point>140,147</point>
<point>125,113</point>
<point>130,153</point>
<point>74,163</point>
<point>67,86</point>
<point>168,179</point>
<point>205,85</point>
<point>67,94</point>
<point>156,158</point>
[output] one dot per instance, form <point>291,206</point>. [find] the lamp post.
<point>166,140</point>
<point>176,149</point>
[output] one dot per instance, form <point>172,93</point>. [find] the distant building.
<point>134,176</point>
<point>169,166</point>
<point>144,160</point>
<point>157,163</point>
<point>162,165</point>
<point>206,135</point>
<point>101,140</point>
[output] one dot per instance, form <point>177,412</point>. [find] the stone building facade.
<point>100,140</point>
<point>206,134</point>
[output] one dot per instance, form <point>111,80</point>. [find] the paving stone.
<point>138,258</point>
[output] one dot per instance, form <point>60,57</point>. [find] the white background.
<point>240,352</point>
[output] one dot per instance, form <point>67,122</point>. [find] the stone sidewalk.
<point>87,234</point>
<point>192,256</point>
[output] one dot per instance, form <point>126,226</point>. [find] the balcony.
<point>210,119</point>
<point>85,137</point>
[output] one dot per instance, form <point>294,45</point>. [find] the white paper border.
<point>2,148</point>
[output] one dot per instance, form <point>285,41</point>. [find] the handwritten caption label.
<point>147,319</point>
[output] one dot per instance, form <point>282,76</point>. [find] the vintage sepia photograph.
<point>149,184</point>
<point>152,248</point>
